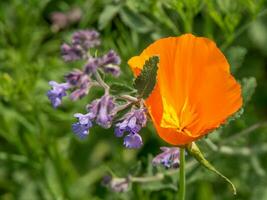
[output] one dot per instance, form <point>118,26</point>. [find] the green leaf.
<point>136,21</point>
<point>197,154</point>
<point>235,57</point>
<point>145,82</point>
<point>248,88</point>
<point>107,15</point>
<point>119,88</point>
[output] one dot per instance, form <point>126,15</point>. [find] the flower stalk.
<point>182,187</point>
<point>101,82</point>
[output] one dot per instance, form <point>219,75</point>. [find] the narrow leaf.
<point>145,82</point>
<point>107,15</point>
<point>197,154</point>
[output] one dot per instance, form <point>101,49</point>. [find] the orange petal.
<point>195,91</point>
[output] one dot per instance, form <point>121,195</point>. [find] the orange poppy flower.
<point>195,92</point>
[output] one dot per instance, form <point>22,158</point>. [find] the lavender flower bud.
<point>81,128</point>
<point>169,158</point>
<point>116,184</point>
<point>132,123</point>
<point>86,38</point>
<point>71,53</point>
<point>57,92</point>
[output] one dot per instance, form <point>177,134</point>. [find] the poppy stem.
<point>182,186</point>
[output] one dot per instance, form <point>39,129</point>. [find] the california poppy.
<point>195,92</point>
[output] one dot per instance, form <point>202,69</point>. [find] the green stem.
<point>182,188</point>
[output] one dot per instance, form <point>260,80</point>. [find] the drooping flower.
<point>195,92</point>
<point>81,128</point>
<point>132,123</point>
<point>57,92</point>
<point>110,63</point>
<point>169,158</point>
<point>105,111</point>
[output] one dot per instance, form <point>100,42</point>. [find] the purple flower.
<point>86,39</point>
<point>92,65</point>
<point>133,141</point>
<point>112,69</point>
<point>111,58</point>
<point>110,62</point>
<point>105,114</point>
<point>83,86</point>
<point>74,77</point>
<point>61,20</point>
<point>71,53</point>
<point>168,158</point>
<point>81,128</point>
<point>103,110</point>
<point>81,82</point>
<point>57,92</point>
<point>132,123</point>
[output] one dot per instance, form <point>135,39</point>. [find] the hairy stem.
<point>101,82</point>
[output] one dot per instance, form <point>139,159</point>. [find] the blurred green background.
<point>40,158</point>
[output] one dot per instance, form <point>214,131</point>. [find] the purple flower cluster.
<point>100,111</point>
<point>169,158</point>
<point>109,63</point>
<point>82,41</point>
<point>80,82</point>
<point>132,123</point>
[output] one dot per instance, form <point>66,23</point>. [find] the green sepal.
<point>197,154</point>
<point>146,80</point>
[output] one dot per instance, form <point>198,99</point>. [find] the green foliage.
<point>146,80</point>
<point>236,57</point>
<point>248,88</point>
<point>107,15</point>
<point>39,156</point>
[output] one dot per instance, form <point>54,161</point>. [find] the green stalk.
<point>182,187</point>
